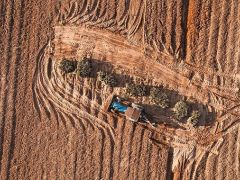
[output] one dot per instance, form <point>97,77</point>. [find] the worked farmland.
<point>54,125</point>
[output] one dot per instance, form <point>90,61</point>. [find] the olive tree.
<point>67,66</point>
<point>181,109</point>
<point>194,118</point>
<point>107,78</point>
<point>84,68</point>
<point>159,98</point>
<point>136,90</point>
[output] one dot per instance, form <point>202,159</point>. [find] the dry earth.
<point>52,125</point>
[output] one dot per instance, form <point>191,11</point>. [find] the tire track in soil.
<point>15,86</point>
<point>154,160</point>
<point>181,10</point>
<point>233,39</point>
<point>4,93</point>
<point>65,118</point>
<point>152,169</point>
<point>84,156</point>
<point>131,147</point>
<point>109,151</point>
<point>79,151</point>
<point>100,176</point>
<point>158,71</point>
<point>139,151</point>
<point>204,30</point>
<point>237,159</point>
<point>135,18</point>
<point>147,171</point>
<point>141,157</point>
<point>97,155</point>
<point>222,36</point>
<point>92,161</point>
<point>120,145</point>
<point>231,169</point>
<point>192,30</point>
<point>81,106</point>
<point>200,168</point>
<point>20,143</point>
<point>105,142</point>
<point>158,164</point>
<point>220,163</point>
<point>238,43</point>
<point>213,36</point>
<point>126,150</point>
<point>169,24</point>
<point>2,25</point>
<point>56,90</point>
<point>136,140</point>
<point>210,166</point>
<point>111,159</point>
<point>207,164</point>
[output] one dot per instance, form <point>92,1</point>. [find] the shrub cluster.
<point>84,68</point>
<point>181,109</point>
<point>67,66</point>
<point>158,97</point>
<point>194,118</point>
<point>136,90</point>
<point>107,78</point>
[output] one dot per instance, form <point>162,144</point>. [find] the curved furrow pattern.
<point>57,94</point>
<point>53,94</point>
<point>135,21</point>
<point>135,14</point>
<point>218,160</point>
<point>122,11</point>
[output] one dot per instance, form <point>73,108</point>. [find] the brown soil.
<point>52,126</point>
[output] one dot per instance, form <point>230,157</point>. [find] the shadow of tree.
<point>155,112</point>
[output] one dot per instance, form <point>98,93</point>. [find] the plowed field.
<point>53,125</point>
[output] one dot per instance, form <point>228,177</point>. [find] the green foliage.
<point>181,109</point>
<point>107,79</point>
<point>158,97</point>
<point>67,66</point>
<point>136,90</point>
<point>84,68</point>
<point>194,118</point>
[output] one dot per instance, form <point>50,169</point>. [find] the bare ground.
<point>52,125</point>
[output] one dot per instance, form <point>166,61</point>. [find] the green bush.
<point>181,109</point>
<point>158,97</point>
<point>136,90</point>
<point>107,78</point>
<point>194,118</point>
<point>67,66</point>
<point>84,68</point>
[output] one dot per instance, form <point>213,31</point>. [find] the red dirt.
<point>52,125</point>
